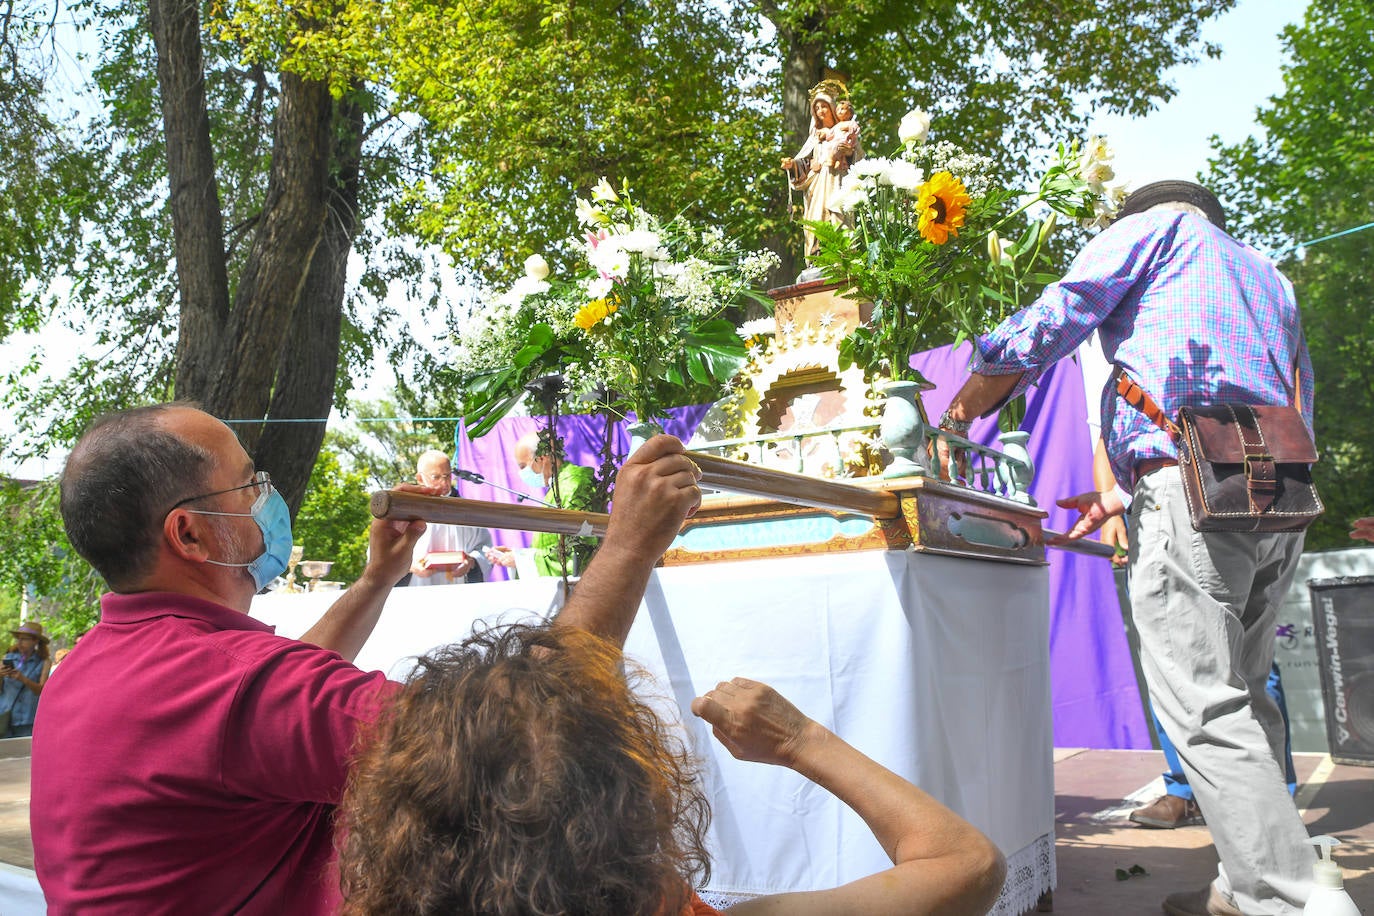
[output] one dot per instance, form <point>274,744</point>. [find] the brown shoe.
<point>1206,902</point>
<point>1168,812</point>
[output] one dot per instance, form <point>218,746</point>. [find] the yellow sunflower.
<point>941,202</point>
<point>593,313</point>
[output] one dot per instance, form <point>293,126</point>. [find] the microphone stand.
<point>474,477</point>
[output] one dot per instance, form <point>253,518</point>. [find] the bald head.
<point>434,469</point>
<point>526,455</point>
<point>123,476</point>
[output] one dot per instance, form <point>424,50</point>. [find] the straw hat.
<point>30,628</point>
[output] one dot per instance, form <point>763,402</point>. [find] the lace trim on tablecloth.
<point>1030,872</point>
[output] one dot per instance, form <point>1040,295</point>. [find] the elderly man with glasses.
<point>447,554</point>
<point>190,760</point>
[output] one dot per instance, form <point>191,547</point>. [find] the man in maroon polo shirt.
<point>189,760</point>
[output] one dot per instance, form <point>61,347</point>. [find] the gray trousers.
<point>1204,606</point>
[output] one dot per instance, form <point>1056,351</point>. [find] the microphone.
<point>474,477</point>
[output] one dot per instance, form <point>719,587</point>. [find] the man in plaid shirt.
<point>1196,318</point>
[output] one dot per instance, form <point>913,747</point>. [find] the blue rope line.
<point>1326,238</point>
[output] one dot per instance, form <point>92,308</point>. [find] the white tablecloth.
<point>935,666</point>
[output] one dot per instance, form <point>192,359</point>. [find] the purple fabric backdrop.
<point>1096,702</point>
<point>582,436</point>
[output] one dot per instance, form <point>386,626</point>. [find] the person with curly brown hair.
<point>520,772</point>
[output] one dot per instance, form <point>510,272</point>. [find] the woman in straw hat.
<point>25,670</point>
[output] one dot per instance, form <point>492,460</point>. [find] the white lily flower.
<point>1094,163</point>
<point>536,268</point>
<point>588,214</point>
<point>999,249</point>
<point>603,192</point>
<point>914,128</point>
<point>1097,150</point>
<point>1114,196</point>
<point>1096,173</point>
<point>1102,216</point>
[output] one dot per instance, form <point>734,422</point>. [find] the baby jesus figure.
<point>840,142</point>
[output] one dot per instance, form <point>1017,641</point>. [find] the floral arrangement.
<point>638,319</point>
<point>942,248</point>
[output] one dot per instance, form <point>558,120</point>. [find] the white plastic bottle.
<point>1329,898</point>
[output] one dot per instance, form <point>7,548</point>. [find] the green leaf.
<point>538,341</point>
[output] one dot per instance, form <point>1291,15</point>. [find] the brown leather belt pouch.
<point>1247,468</point>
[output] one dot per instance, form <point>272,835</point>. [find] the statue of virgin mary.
<point>819,167</point>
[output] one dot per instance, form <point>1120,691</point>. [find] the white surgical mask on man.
<point>532,478</point>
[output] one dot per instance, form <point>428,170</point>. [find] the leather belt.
<point>1150,465</point>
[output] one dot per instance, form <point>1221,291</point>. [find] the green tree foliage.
<point>355,460</point>
<point>334,519</point>
<point>291,135</point>
<point>1006,72</point>
<point>38,565</point>
<point>527,102</point>
<point>210,258</point>
<point>383,445</point>
<point>199,226</point>
<point>1311,174</point>
<point>46,172</point>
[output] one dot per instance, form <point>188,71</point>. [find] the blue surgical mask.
<point>274,521</point>
<point>532,478</point>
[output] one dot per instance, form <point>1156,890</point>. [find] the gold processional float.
<point>764,511</point>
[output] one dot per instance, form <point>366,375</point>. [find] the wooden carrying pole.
<point>716,473</point>
<point>451,510</point>
<point>784,487</point>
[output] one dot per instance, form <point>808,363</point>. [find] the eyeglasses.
<point>437,478</point>
<point>261,482</point>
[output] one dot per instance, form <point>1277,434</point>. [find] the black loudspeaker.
<point>1343,620</point>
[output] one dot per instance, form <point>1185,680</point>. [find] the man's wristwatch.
<point>958,427</point>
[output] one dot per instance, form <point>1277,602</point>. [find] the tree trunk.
<point>801,69</point>
<point>275,270</point>
<point>277,344</point>
<point>308,367</point>
<point>197,222</point>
